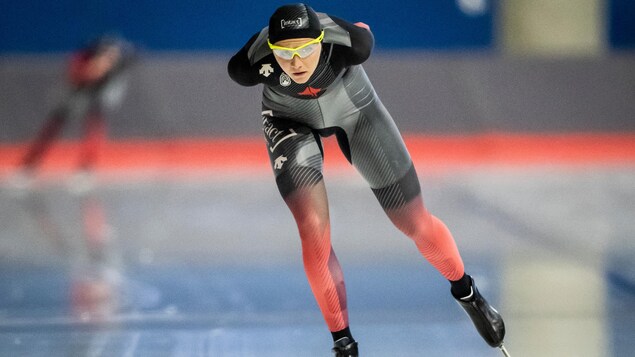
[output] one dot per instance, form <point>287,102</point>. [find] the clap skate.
<point>486,319</point>
<point>345,348</point>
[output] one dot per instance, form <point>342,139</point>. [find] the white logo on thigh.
<point>291,134</point>
<point>285,80</point>
<point>274,134</point>
<point>279,161</point>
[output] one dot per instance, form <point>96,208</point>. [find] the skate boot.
<point>486,319</point>
<point>344,347</point>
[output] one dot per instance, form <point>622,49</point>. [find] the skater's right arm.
<point>240,68</point>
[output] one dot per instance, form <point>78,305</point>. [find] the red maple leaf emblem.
<point>313,92</point>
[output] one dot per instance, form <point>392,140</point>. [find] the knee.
<point>413,220</point>
<point>311,225</point>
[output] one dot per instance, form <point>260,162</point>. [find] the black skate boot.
<point>344,347</point>
<point>486,319</point>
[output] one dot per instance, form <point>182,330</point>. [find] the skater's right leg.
<point>73,108</point>
<point>43,141</point>
<point>309,208</point>
<point>296,159</point>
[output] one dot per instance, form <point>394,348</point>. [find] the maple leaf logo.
<point>310,91</point>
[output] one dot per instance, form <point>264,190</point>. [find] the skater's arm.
<point>240,68</point>
<point>362,41</point>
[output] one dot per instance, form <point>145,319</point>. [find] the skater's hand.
<point>362,25</point>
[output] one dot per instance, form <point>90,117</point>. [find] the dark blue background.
<point>622,24</point>
<point>62,25</point>
<point>203,25</point>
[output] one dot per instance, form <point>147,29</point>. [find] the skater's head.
<point>295,38</point>
<point>95,61</point>
<point>103,44</point>
<point>294,21</point>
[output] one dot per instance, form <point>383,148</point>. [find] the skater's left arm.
<point>362,41</point>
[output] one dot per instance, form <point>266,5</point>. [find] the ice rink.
<point>210,265</point>
<point>519,117</point>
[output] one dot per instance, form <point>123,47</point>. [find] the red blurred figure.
<point>96,278</point>
<point>97,83</point>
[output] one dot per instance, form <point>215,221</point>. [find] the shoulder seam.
<point>334,33</point>
<point>258,49</point>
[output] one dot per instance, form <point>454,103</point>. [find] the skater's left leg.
<point>431,236</point>
<point>436,244</point>
<point>377,150</point>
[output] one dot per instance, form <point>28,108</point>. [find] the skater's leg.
<point>431,236</point>
<point>309,208</point>
<point>377,151</point>
<point>436,244</point>
<point>296,158</point>
<point>42,142</point>
<point>94,139</point>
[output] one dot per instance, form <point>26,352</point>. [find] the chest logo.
<point>285,80</point>
<point>310,91</point>
<point>266,69</point>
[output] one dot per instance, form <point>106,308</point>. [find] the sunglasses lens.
<point>307,51</point>
<point>285,54</point>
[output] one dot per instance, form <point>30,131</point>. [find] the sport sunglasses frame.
<point>294,51</point>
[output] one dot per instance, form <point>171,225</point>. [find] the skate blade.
<point>504,350</point>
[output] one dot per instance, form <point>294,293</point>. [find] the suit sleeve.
<point>240,68</point>
<point>362,42</point>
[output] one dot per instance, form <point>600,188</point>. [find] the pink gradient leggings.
<point>296,158</point>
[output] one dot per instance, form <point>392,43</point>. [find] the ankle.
<point>338,335</point>
<point>462,289</point>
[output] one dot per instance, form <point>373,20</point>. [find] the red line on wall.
<point>432,151</point>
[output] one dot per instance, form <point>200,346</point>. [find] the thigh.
<point>295,154</point>
<point>380,155</point>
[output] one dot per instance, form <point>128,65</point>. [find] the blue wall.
<point>34,26</point>
<point>622,24</point>
<point>62,25</point>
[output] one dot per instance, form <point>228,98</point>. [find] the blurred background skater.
<point>96,274</point>
<point>97,82</point>
<point>315,86</point>
<point>89,248</point>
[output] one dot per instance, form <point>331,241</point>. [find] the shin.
<point>309,207</point>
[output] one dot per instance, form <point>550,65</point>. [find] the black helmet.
<point>294,21</point>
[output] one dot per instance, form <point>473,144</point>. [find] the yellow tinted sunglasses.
<point>303,51</point>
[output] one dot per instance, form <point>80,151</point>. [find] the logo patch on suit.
<point>310,91</point>
<point>285,80</point>
<point>266,69</point>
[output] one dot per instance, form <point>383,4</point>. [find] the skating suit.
<point>337,99</point>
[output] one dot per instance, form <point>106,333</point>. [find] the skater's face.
<point>107,58</point>
<point>102,63</point>
<point>298,57</point>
